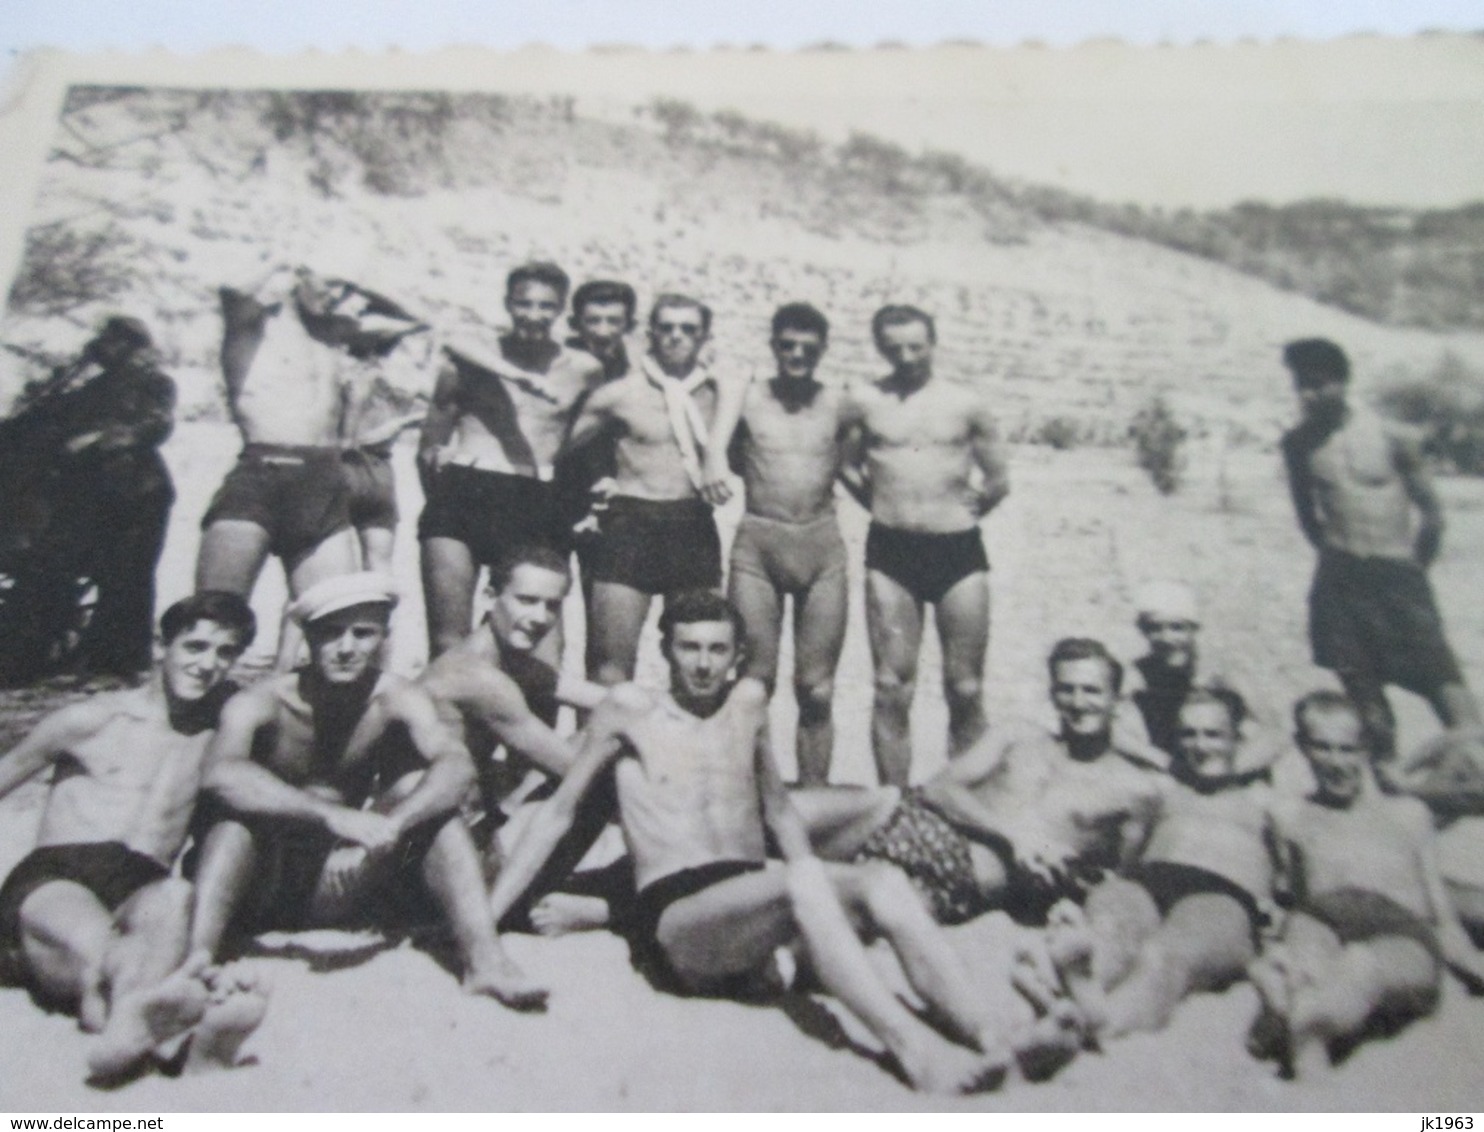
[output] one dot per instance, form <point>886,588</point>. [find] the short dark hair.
<point>899,314</point>
<point>530,554</point>
<point>675,299</point>
<point>1324,701</point>
<point>694,606</point>
<point>801,316</point>
<point>539,271</point>
<point>221,607</point>
<point>605,291</point>
<point>1228,698</point>
<point>1069,649</point>
<point>1316,358</point>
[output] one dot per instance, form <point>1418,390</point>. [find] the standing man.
<point>786,433</point>
<point>118,489</point>
<point>488,448</point>
<point>285,390</point>
<point>698,793</point>
<point>336,791</point>
<point>926,461</point>
<point>91,921</point>
<point>1357,483</point>
<point>657,537</point>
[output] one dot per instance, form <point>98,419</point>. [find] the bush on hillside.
<point>65,268</point>
<point>1447,405</point>
<point>1157,438</point>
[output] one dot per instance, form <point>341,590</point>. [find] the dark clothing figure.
<point>1160,699</point>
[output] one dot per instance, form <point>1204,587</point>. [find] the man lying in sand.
<point>1372,925</point>
<point>91,921</point>
<point>291,771</point>
<point>1187,916</point>
<point>698,794</point>
<point>495,689</point>
<point>1013,825</point>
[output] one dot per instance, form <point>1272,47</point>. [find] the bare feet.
<point>942,1067</point>
<point>501,979</point>
<point>1270,1037</point>
<point>1051,1041</point>
<point>1073,950</point>
<point>558,913</point>
<point>144,1019</point>
<point>1034,976</point>
<point>236,1007</point>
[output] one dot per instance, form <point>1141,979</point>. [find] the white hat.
<point>367,587</point>
<point>1166,598</point>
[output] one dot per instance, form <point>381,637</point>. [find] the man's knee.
<point>815,698</point>
<point>964,691</point>
<point>894,690</point>
<point>889,898</point>
<point>162,903</point>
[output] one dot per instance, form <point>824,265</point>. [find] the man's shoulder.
<point>90,717</point>
<point>577,361</point>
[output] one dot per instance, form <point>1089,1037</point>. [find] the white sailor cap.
<point>367,587</point>
<point>1166,598</point>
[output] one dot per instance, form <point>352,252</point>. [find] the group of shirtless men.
<point>1145,844</point>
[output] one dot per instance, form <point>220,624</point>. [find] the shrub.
<point>1058,432</point>
<point>1447,405</point>
<point>1157,437</point>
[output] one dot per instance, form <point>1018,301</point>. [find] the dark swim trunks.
<point>1357,915</point>
<point>934,855</point>
<point>492,513</point>
<point>1376,617</point>
<point>650,905</point>
<point>372,489</point>
<point>927,564</point>
<point>297,494</point>
<point>791,557</point>
<point>658,546</point>
<point>110,870</point>
<point>1169,883</point>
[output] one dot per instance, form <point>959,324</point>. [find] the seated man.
<point>1012,825</point>
<point>91,921</point>
<point>1187,916</point>
<point>495,689</point>
<point>292,769</point>
<point>1372,925</point>
<point>698,792</point>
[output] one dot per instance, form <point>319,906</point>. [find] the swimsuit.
<point>658,546</point>
<point>650,905</point>
<point>1357,915</point>
<point>296,493</point>
<point>110,870</point>
<point>791,557</point>
<point>492,513</point>
<point>927,564</point>
<point>372,488</point>
<point>1377,617</point>
<point>1169,882</point>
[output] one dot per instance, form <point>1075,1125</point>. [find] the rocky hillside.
<point>154,198</point>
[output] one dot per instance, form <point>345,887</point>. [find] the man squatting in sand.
<point>488,450</point>
<point>924,458</point>
<point>1356,482</point>
<point>289,840</point>
<point>657,536</point>
<point>1371,925</point>
<point>92,921</point>
<point>1010,824</point>
<point>698,793</point>
<point>784,434</point>
<point>286,494</point>
<point>1187,916</point>
<point>493,689</point>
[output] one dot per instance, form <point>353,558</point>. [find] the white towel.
<point>686,421</point>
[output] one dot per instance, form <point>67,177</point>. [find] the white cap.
<point>334,594</point>
<point>1166,598</point>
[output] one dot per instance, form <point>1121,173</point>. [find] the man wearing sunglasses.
<point>657,536</point>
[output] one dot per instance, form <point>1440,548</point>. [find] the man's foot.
<point>558,913</point>
<point>235,1009</point>
<point>1051,1041</point>
<point>1071,945</point>
<point>501,979</point>
<point>144,1019</point>
<point>952,1070</point>
<point>1270,1038</point>
<point>1034,976</point>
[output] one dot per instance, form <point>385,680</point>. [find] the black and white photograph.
<point>876,580</point>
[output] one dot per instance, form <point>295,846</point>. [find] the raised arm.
<point>1407,458</point>
<point>989,454</point>
<point>450,771</point>
<point>443,412</point>
<point>603,742</point>
<point>731,398</point>
<point>248,788</point>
